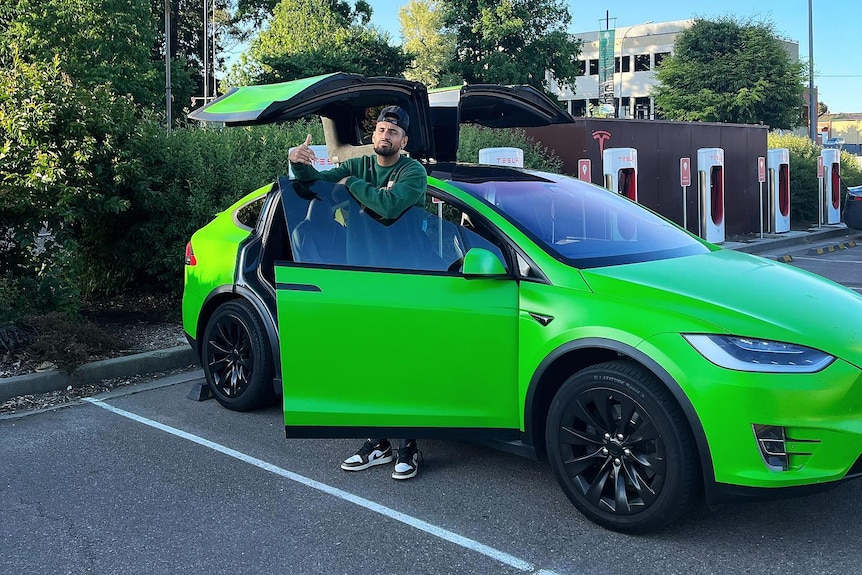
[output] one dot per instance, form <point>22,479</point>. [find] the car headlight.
<point>748,354</point>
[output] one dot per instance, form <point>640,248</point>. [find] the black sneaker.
<point>371,453</point>
<point>406,463</point>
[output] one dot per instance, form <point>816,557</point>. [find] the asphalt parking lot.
<point>839,259</point>
<point>147,481</point>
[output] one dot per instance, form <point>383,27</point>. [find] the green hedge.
<point>61,147</point>
<point>537,157</point>
<point>181,180</point>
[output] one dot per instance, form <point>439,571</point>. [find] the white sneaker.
<point>370,454</point>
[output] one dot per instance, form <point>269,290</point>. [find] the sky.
<point>836,25</point>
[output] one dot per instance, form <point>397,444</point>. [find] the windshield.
<point>583,225</point>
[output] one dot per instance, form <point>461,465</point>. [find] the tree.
<point>97,41</point>
<point>310,37</point>
<point>727,71</point>
<point>120,42</point>
<point>512,41</point>
<point>421,29</point>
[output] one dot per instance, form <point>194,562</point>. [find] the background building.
<point>638,50</point>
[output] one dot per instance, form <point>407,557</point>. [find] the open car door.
<point>347,104</point>
<point>387,329</point>
<point>488,105</point>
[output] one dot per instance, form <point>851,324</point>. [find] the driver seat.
<point>319,238</point>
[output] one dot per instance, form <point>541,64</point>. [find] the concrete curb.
<point>92,373</point>
<point>790,239</point>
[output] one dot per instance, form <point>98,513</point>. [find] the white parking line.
<point>429,528</point>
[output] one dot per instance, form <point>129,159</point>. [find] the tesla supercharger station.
<point>502,157</point>
<point>778,178</point>
<point>831,185</point>
<point>321,164</point>
<point>710,171</point>
<point>620,167</point>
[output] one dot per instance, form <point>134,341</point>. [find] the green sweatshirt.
<point>387,191</point>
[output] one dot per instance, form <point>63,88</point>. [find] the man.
<point>387,183</point>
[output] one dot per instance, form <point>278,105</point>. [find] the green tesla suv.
<point>542,314</point>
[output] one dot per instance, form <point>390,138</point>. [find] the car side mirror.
<point>479,262</point>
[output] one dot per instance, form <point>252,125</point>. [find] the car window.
<point>584,225</point>
<point>328,226</point>
<point>459,230</point>
<point>248,215</point>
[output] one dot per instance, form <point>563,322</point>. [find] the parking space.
<point>839,260</point>
<point>152,482</point>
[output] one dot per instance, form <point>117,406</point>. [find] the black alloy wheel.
<point>621,448</point>
<point>237,360</point>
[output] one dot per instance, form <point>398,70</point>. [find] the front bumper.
<point>820,413</point>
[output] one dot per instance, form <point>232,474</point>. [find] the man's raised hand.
<point>303,154</point>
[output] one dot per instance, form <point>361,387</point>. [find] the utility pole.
<point>206,69</point>
<point>169,120</point>
<point>812,97</point>
<point>215,61</point>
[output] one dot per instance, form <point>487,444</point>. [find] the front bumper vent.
<point>783,453</point>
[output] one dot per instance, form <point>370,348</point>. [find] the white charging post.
<point>761,177</point>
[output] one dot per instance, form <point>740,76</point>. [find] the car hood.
<point>744,295</point>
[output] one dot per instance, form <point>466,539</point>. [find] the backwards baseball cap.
<point>395,115</point>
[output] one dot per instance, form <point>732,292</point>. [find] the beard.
<point>387,151</point>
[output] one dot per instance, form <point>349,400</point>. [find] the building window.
<point>642,63</point>
<point>594,67</point>
<point>642,108</point>
<point>626,60</point>
<point>659,57</point>
<point>579,108</point>
<point>582,68</point>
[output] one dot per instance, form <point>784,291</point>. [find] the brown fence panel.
<point>660,145</point>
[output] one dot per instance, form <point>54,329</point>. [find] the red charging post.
<point>685,182</point>
<point>820,190</point>
<point>585,170</point>
<point>761,177</point>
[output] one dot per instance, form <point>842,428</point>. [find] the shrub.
<point>68,340</point>
<point>176,183</point>
<point>536,156</point>
<point>60,146</point>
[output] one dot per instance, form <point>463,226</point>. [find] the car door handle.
<point>297,287</point>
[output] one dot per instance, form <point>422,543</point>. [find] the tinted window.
<point>328,226</point>
<point>248,214</point>
<point>584,225</point>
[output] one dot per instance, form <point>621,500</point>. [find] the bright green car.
<point>543,314</point>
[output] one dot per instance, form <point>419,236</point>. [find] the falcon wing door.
<point>489,105</point>
<point>347,103</point>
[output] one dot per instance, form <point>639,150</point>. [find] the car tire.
<point>236,357</point>
<point>621,448</point>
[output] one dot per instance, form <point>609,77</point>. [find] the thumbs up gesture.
<point>303,154</point>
